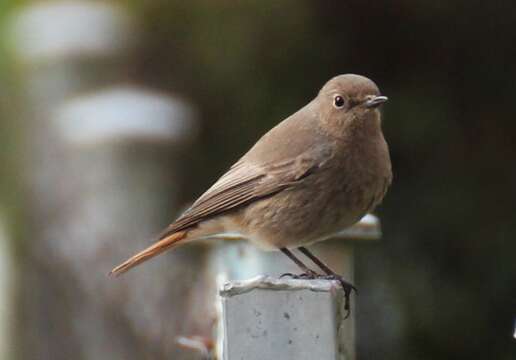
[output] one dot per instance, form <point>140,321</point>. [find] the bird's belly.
<point>291,219</point>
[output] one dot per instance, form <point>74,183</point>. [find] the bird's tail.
<point>162,245</point>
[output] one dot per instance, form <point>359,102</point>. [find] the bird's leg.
<point>331,275</point>
<point>307,272</point>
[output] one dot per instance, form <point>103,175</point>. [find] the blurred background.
<point>114,115</point>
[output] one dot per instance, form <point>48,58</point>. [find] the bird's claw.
<point>308,275</point>
<point>346,286</point>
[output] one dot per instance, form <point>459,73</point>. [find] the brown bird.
<point>317,172</point>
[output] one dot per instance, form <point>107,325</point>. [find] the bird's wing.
<point>242,184</point>
<point>290,151</point>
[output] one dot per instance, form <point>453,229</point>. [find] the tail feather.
<point>153,250</point>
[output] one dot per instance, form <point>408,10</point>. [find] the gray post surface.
<point>267,318</point>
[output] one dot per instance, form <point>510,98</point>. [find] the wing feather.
<point>242,184</point>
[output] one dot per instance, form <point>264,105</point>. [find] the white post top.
<point>50,30</point>
<point>368,228</point>
<point>125,113</point>
<point>237,287</point>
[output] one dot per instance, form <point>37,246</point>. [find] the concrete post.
<point>268,318</point>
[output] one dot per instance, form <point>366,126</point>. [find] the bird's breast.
<point>334,197</point>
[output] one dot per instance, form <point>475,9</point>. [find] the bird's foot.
<point>346,286</point>
<point>307,275</point>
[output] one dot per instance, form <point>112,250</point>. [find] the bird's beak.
<point>375,101</point>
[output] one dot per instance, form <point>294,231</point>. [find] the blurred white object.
<point>125,113</point>
<point>368,228</point>
<point>56,29</point>
<point>103,176</point>
<point>6,293</point>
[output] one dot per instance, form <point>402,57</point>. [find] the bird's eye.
<point>338,101</point>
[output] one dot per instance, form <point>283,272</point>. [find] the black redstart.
<point>316,172</point>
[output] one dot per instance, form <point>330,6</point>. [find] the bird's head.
<point>350,101</point>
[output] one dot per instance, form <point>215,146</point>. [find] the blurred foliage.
<point>10,135</point>
<point>448,69</point>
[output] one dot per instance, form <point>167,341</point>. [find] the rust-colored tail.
<point>153,250</point>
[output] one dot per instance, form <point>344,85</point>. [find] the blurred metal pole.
<point>103,177</point>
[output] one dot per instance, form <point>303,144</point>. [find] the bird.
<point>318,171</point>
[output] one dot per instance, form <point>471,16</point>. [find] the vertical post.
<point>236,260</point>
<point>267,318</point>
<point>119,146</point>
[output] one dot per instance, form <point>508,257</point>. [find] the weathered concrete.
<point>268,318</point>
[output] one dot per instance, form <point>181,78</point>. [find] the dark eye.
<point>338,101</point>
